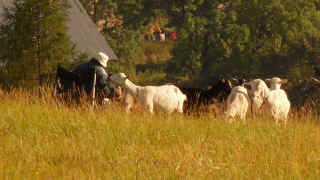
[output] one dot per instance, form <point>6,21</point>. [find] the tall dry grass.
<point>43,139</point>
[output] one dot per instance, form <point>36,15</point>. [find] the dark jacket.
<point>86,72</point>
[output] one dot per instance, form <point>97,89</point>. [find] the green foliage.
<point>148,66</point>
<point>223,38</point>
<point>34,39</point>
<point>125,40</point>
<point>249,38</point>
<point>125,43</point>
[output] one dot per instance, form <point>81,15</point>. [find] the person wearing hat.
<point>96,64</point>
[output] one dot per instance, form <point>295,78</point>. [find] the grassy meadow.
<point>40,139</point>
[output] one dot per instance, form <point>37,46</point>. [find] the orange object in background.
<point>155,28</point>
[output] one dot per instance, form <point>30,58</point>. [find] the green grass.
<point>42,140</point>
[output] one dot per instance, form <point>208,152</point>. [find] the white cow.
<point>238,103</point>
<point>276,99</point>
<point>167,97</point>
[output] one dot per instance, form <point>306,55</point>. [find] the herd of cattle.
<point>232,98</point>
<point>239,95</point>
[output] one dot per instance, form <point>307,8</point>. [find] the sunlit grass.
<point>40,139</point>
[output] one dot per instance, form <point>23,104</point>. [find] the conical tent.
<point>81,29</point>
<point>155,28</point>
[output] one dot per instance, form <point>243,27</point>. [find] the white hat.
<point>103,59</point>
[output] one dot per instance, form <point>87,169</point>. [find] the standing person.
<point>85,72</point>
<point>162,36</point>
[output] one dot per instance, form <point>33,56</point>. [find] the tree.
<point>34,39</point>
<point>225,37</point>
<point>247,37</point>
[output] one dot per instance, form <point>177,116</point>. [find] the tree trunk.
<point>39,60</point>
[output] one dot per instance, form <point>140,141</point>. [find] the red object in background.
<point>143,37</point>
<point>173,35</point>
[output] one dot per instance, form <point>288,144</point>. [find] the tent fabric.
<point>81,29</point>
<point>155,28</point>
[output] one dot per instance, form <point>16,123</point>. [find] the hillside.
<point>150,64</point>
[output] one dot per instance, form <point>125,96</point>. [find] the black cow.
<point>69,86</point>
<point>193,95</point>
<point>199,99</point>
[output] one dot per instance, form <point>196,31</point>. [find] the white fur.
<point>238,102</point>
<point>278,105</point>
<point>276,99</point>
<point>257,93</point>
<point>275,83</point>
<point>128,100</point>
<point>166,97</point>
